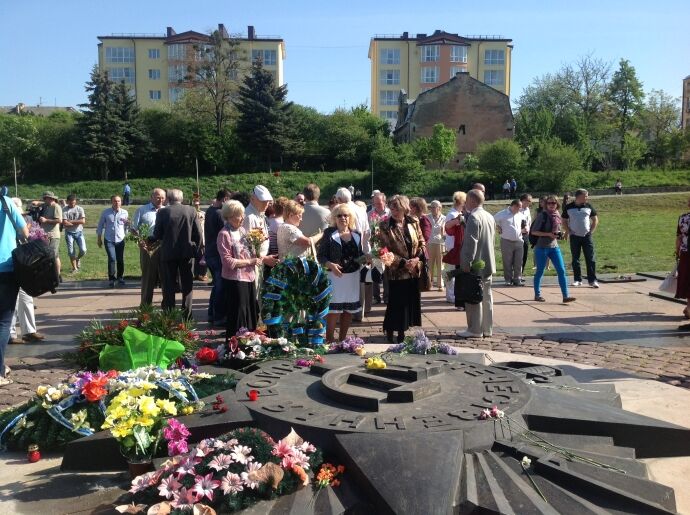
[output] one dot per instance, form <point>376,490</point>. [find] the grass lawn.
<point>636,233</point>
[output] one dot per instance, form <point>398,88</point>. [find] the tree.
<point>660,126</point>
<point>393,163</point>
<point>103,134</point>
<point>632,151</point>
<point>263,124</point>
<point>137,141</point>
<point>212,71</point>
<point>625,95</point>
<point>586,82</point>
<point>556,163</point>
<point>501,159</point>
<point>18,136</point>
<point>442,144</point>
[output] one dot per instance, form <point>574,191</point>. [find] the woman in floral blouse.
<point>683,288</point>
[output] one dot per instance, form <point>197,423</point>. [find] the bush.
<point>501,160</point>
<point>392,163</point>
<point>556,165</point>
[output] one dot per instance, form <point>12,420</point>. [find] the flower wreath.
<point>295,301</point>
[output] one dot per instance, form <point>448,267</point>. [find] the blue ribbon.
<point>323,314</point>
<point>16,419</point>
<point>319,272</point>
<point>56,414</point>
<point>273,296</point>
<point>176,393</point>
<point>290,263</point>
<point>275,282</point>
<point>273,320</point>
<point>305,265</point>
<point>297,330</point>
<point>323,294</point>
<point>317,331</point>
<point>316,340</point>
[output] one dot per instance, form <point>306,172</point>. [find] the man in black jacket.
<point>177,228</point>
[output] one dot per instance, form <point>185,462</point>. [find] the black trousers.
<point>585,245</point>
<point>169,271</point>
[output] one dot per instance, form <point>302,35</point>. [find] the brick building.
<point>477,112</point>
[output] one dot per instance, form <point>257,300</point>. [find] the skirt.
<point>243,308</point>
<point>404,308</point>
<point>683,288</point>
<point>345,298</point>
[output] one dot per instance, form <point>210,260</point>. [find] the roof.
<point>22,108</point>
<point>440,36</point>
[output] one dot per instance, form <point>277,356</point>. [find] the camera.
<point>35,211</point>
<point>559,235</point>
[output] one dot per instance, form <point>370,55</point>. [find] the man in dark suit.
<point>177,228</point>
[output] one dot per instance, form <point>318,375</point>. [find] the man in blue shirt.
<point>126,191</point>
<point>149,255</point>
<point>112,226</point>
<point>8,282</point>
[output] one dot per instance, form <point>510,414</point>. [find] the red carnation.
<point>206,355</point>
<point>383,251</point>
<point>94,391</point>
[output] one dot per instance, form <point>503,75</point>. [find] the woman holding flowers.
<point>402,235</point>
<point>238,270</point>
<point>291,241</point>
<point>340,253</point>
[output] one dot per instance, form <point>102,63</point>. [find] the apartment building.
<point>685,110</point>
<point>155,65</point>
<point>418,63</point>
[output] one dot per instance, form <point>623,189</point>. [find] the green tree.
<point>555,164</point>
<point>18,137</point>
<point>626,96</point>
<point>136,139</point>
<point>263,124</point>
<point>55,154</point>
<point>660,127</point>
<point>393,163</point>
<point>633,150</point>
<point>501,160</point>
<point>102,133</point>
<point>442,144</point>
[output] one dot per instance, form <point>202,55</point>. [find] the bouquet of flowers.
<point>351,344</point>
<point>36,233</point>
<point>228,473</point>
<point>375,222</point>
<point>421,344</point>
<point>140,236</point>
<point>255,238</point>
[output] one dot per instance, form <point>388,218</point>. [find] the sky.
<point>47,48</point>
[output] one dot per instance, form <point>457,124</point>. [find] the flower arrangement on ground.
<point>248,348</point>
<point>168,324</point>
<point>228,473</point>
<point>421,344</point>
<point>76,407</point>
<point>351,345</point>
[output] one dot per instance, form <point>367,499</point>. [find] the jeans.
<point>541,256</point>
<point>217,310</point>
<point>8,298</point>
<point>525,251</point>
<point>116,254</point>
<point>75,237</point>
<point>586,245</point>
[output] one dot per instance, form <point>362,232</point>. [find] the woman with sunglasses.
<point>548,227</point>
<point>340,252</point>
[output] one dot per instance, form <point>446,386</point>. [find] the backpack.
<point>532,238</point>
<point>34,262</point>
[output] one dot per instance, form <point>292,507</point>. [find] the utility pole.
<point>16,189</point>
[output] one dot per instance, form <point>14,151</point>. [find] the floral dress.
<point>683,286</point>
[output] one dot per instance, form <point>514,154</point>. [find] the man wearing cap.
<point>315,218</point>
<point>112,227</point>
<point>255,218</point>
<point>149,255</point>
<point>73,219</point>
<point>50,221</point>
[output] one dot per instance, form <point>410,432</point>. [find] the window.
<point>430,53</point>
<point>175,94</point>
<point>154,53</point>
<point>121,74</point>
<point>389,115</point>
<point>493,77</point>
<point>390,56</point>
<point>458,54</point>
<point>457,69</point>
<point>388,98</point>
<point>268,57</point>
<point>494,57</point>
<point>176,52</point>
<point>176,72</point>
<point>429,74</point>
<point>154,74</point>
<point>114,54</point>
<point>390,77</point>
<point>155,94</point>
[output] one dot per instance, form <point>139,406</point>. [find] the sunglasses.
<point>552,203</point>
<point>343,216</point>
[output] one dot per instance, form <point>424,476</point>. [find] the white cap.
<point>261,193</point>
<point>375,192</point>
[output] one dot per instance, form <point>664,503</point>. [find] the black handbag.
<point>469,288</point>
<point>424,276</point>
<point>34,263</point>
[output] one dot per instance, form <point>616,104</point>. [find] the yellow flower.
<point>147,405</point>
<point>121,431</point>
<point>360,351</point>
<point>148,386</point>
<point>41,390</point>
<point>167,406</point>
<point>134,392</point>
<point>187,410</point>
<point>144,421</point>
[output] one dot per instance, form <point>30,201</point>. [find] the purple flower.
<point>444,348</point>
<point>399,347</point>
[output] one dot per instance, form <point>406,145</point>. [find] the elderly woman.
<point>435,244</point>
<point>239,270</point>
<point>548,226</point>
<point>402,235</point>
<point>340,253</point>
<point>683,285</point>
<point>291,240</point>
<point>419,210</point>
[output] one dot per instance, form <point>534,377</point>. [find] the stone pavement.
<point>618,326</point>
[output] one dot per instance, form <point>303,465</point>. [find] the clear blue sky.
<point>47,48</point>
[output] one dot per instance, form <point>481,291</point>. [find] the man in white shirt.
<point>509,226</point>
<point>149,255</point>
<point>255,218</point>
<point>526,200</point>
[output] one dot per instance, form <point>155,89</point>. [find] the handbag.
<point>424,276</point>
<point>34,262</point>
<point>670,283</point>
<point>469,288</point>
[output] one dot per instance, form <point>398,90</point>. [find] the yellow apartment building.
<point>155,65</point>
<point>421,62</point>
<point>685,109</point>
